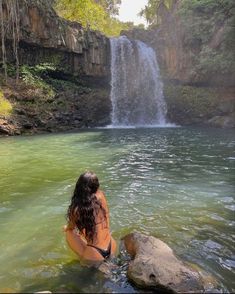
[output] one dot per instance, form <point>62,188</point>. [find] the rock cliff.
<point>77,90</point>
<point>195,70</point>
<point>73,92</point>
<point>45,37</point>
<point>178,52</point>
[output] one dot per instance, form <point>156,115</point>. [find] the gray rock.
<point>4,130</point>
<point>20,111</point>
<point>7,128</point>
<point>154,265</point>
<point>27,125</point>
<point>227,121</point>
<point>228,106</point>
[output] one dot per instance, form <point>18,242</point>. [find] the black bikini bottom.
<point>104,253</point>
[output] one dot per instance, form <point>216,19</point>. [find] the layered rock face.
<point>75,93</point>
<point>45,37</point>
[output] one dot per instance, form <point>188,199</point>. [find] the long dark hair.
<point>85,206</point>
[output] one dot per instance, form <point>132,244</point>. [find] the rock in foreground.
<point>154,265</point>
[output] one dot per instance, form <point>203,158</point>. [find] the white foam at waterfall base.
<point>166,125</point>
<point>136,86</point>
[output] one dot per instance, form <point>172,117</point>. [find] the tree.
<point>201,21</point>
<point>86,12</point>
<point>155,9</point>
<point>110,6</point>
<point>10,27</point>
<point>95,14</point>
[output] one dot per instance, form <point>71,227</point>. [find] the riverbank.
<point>200,106</point>
<point>65,76</point>
<point>53,105</point>
<point>58,105</point>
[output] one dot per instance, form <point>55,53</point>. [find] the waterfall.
<point>136,86</point>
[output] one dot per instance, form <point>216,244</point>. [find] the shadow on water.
<point>74,278</point>
<point>70,279</point>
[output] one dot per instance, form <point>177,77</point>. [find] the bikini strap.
<point>105,253</point>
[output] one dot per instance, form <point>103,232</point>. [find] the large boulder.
<point>154,265</point>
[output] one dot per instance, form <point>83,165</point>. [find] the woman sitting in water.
<point>87,231</point>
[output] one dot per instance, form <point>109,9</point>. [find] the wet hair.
<point>85,207</point>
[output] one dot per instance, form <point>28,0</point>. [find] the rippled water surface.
<point>176,184</point>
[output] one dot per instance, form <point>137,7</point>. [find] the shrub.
<point>201,20</point>
<point>33,76</point>
<point>5,105</point>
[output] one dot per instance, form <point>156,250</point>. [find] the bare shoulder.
<point>101,197</point>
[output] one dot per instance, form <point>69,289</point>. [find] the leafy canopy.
<point>152,11</point>
<point>93,14</point>
<point>202,21</point>
<point>110,6</point>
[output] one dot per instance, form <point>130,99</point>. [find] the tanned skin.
<point>77,241</point>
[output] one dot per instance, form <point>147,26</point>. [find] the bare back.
<point>102,224</point>
<point>79,243</point>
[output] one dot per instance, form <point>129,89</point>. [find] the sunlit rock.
<point>154,265</point>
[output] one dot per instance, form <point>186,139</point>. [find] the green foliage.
<point>93,14</point>
<point>33,76</point>
<point>210,61</point>
<point>5,105</point>
<point>152,11</point>
<point>201,18</point>
<point>208,28</point>
<point>201,21</point>
<point>191,104</point>
<point>110,6</point>
<point>87,12</point>
<point>114,26</point>
<point>45,85</point>
<point>67,85</point>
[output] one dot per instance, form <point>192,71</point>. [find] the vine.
<point>10,28</point>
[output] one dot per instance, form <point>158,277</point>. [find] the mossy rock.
<point>191,105</point>
<point>223,121</point>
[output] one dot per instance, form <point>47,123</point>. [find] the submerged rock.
<point>154,265</point>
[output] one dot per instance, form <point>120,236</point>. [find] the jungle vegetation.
<point>208,29</point>
<point>98,15</point>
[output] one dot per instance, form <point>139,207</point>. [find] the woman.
<point>87,232</point>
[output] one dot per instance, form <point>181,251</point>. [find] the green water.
<point>176,184</point>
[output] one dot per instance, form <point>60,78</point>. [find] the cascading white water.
<point>136,87</point>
